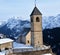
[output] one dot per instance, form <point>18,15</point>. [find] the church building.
<point>36,28</point>
<point>33,36</point>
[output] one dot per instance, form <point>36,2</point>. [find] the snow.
<point>1,35</point>
<point>12,23</point>
<point>20,45</point>
<point>47,54</point>
<point>47,22</point>
<point>2,53</point>
<point>2,23</point>
<point>51,22</point>
<point>5,40</point>
<point>27,25</point>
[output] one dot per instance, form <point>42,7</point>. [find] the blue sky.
<point>23,8</point>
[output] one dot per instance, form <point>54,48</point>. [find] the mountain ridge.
<point>13,27</point>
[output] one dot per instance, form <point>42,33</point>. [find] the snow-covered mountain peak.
<point>12,23</point>
<point>15,26</point>
<point>17,23</point>
<point>47,22</point>
<point>51,22</point>
<point>2,23</point>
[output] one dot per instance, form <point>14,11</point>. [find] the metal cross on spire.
<point>35,2</point>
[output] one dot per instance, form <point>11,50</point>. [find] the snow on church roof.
<point>5,40</point>
<point>20,45</point>
<point>47,54</point>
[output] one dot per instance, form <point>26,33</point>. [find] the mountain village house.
<point>6,44</point>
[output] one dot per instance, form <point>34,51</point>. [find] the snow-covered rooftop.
<point>47,54</point>
<point>20,45</point>
<point>5,40</point>
<point>2,53</point>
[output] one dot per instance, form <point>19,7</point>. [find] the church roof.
<point>24,33</point>
<point>36,11</point>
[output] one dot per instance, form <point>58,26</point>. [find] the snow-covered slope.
<point>15,26</point>
<point>2,23</point>
<point>17,23</point>
<point>51,22</point>
<point>47,22</point>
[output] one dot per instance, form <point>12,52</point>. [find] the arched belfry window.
<point>6,48</point>
<point>37,19</point>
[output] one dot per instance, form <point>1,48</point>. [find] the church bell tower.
<point>36,28</point>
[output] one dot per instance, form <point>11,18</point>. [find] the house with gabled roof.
<point>6,44</point>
